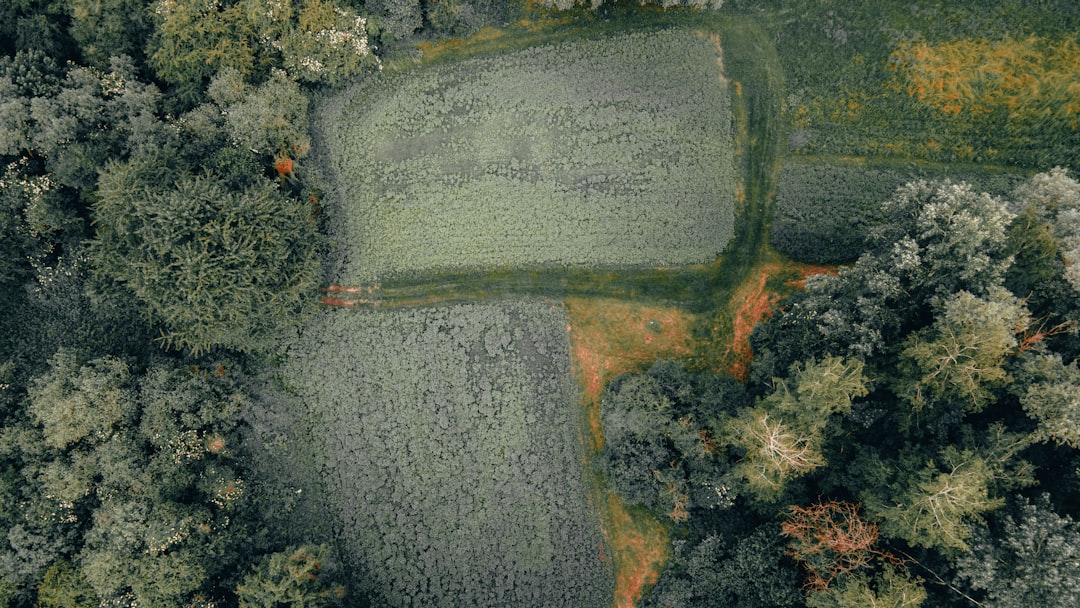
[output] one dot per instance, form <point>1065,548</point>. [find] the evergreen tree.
<point>216,267</point>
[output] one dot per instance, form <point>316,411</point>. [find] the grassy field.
<point>962,81</point>
<point>609,152</point>
<point>448,449</point>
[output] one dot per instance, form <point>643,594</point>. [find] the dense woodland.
<point>907,436</point>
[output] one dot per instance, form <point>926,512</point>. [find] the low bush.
<point>448,445</point>
<point>608,152</point>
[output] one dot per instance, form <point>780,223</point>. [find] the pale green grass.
<point>608,152</point>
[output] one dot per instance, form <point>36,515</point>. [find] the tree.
<point>292,578</point>
<point>942,238</point>
<point>935,508</point>
<point>962,356</point>
<point>270,119</point>
<point>396,19</point>
<point>329,44</point>
<point>745,569</point>
<point>109,28</point>
<point>1032,560</point>
<point>832,541</point>
<point>781,436</point>
<point>80,403</point>
<point>660,449</point>
<point>214,266</point>
<point>1050,394</point>
<point>889,589</point>
<point>318,42</point>
<point>138,469</point>
<point>192,41</point>
<point>1054,200</point>
<point>64,586</point>
<point>90,119</point>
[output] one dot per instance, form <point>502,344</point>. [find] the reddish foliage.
<point>831,539</point>
<point>284,166</point>
<point>337,301</point>
<point>1031,337</point>
<point>757,305</point>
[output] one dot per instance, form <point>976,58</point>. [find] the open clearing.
<point>612,152</point>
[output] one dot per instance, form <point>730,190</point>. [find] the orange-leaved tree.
<point>830,539</point>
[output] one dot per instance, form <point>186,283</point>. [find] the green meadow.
<point>608,152</point>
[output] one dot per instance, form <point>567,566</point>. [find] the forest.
<point>539,303</point>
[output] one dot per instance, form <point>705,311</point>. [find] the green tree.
<point>109,28</point>
<point>192,41</point>
<point>64,586</point>
<point>89,118</point>
<point>734,570</point>
<point>962,356</point>
<point>138,468</point>
<point>942,238</point>
<point>781,436</point>
<point>328,44</point>
<point>660,448</point>
<point>889,589</point>
<point>934,506</point>
<point>294,578</point>
<point>1054,199</point>
<point>78,403</point>
<point>1032,560</point>
<point>216,267</point>
<point>1050,394</point>
<point>270,119</point>
<point>396,19</point>
<point>316,41</point>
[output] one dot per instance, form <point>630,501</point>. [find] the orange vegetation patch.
<point>1029,78</point>
<point>329,301</point>
<point>353,291</point>
<point>808,270</point>
<point>753,302</point>
<point>348,295</point>
<point>640,547</point>
<point>284,166</point>
<point>611,337</point>
<point>433,49</point>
